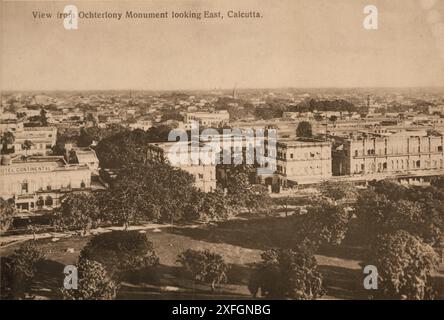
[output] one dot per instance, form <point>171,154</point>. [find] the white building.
<point>40,182</point>
<point>42,139</point>
<point>303,161</point>
<point>208,119</point>
<point>87,156</point>
<point>204,174</point>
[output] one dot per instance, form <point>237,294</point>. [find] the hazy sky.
<point>297,43</point>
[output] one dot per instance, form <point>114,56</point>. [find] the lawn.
<point>240,242</point>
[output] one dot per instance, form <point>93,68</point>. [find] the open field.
<point>239,241</point>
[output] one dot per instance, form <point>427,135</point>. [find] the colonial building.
<point>303,161</point>
<point>41,140</point>
<point>401,152</point>
<point>40,182</point>
<point>87,156</point>
<point>29,140</point>
<point>208,119</point>
<point>204,174</point>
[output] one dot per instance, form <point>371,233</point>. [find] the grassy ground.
<point>240,242</point>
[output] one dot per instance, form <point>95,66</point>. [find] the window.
<point>82,185</point>
<point>439,148</point>
<point>356,153</point>
<point>291,155</point>
<point>24,187</point>
<point>40,202</point>
<point>49,202</point>
<point>201,176</point>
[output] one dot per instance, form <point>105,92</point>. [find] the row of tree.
<point>157,192</point>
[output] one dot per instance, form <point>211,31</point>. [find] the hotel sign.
<point>27,169</point>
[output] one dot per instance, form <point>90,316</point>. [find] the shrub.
<point>7,212</point>
<point>120,251</point>
<point>287,274</point>
<point>94,283</point>
<point>18,271</point>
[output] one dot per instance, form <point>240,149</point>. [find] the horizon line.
<point>226,88</point>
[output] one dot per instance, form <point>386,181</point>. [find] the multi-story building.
<point>41,140</point>
<point>11,125</point>
<point>208,119</point>
<point>40,182</point>
<point>88,157</point>
<point>436,109</point>
<point>303,161</point>
<point>204,173</point>
<point>401,152</point>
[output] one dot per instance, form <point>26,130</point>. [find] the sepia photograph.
<point>222,151</point>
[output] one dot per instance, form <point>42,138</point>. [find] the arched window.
<point>24,186</point>
<point>49,202</point>
<point>82,185</point>
<point>40,202</point>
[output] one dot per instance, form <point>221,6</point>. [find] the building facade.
<point>208,119</point>
<point>204,174</point>
<point>303,161</point>
<point>41,140</point>
<point>40,182</point>
<point>396,153</point>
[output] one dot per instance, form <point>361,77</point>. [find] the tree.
<point>18,271</point>
<point>304,130</point>
<point>120,251</point>
<point>404,265</point>
<point>238,189</point>
<point>258,199</point>
<point>205,266</point>
<point>287,274</point>
<point>438,182</point>
<point>43,117</point>
<point>7,213</point>
<point>286,202</point>
<point>154,191</point>
<point>27,144</point>
<point>419,212</point>
<point>78,211</point>
<point>7,139</point>
<point>333,119</point>
<point>338,191</point>
<point>325,222</point>
<point>393,190</point>
<point>211,206</point>
<point>122,204</point>
<point>94,283</point>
